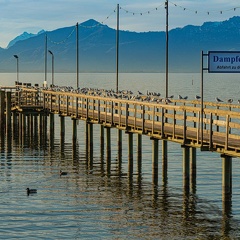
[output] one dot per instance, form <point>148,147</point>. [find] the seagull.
<point>230,100</point>
<point>179,97</point>
<point>29,191</point>
<point>197,97</point>
<point>62,173</point>
<point>238,101</point>
<point>185,98</point>
<point>140,93</point>
<point>218,100</point>
<point>172,96</point>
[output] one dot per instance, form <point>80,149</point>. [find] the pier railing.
<point>178,121</point>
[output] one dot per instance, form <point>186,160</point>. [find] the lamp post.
<point>52,66</point>
<point>16,56</point>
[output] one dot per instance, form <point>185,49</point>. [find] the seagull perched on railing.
<point>179,97</point>
<point>230,100</point>
<point>185,98</point>
<point>218,100</point>
<point>197,97</point>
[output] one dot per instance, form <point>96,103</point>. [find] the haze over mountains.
<point>138,52</point>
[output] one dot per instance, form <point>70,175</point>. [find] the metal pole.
<point>16,56</point>
<point>52,69</point>
<point>46,58</point>
<point>117,48</point>
<point>77,54</point>
<point>201,98</point>
<point>166,7</point>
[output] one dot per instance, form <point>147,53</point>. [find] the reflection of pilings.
<point>14,123</point>
<point>8,113</point>
<point>186,167</point>
<point>193,169</point>
<point>139,153</point>
<point>20,127</point>
<point>2,109</point>
<point>155,161</point>
<point>226,178</point>
<point>130,154</point>
<point>164,162</point>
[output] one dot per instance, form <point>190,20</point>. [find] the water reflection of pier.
<point>28,112</point>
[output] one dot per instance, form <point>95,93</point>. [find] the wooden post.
<point>193,168</point>
<point>62,126</point>
<point>164,162</point>
<point>226,178</point>
<point>102,140</point>
<point>155,161</point>
<point>108,130</point>
<point>8,113</point>
<point>119,148</point>
<point>2,109</point>
<point>130,154</point>
<point>74,129</point>
<point>90,145</point>
<point>186,167</point>
<point>139,153</point>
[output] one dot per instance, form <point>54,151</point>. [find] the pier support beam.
<point>155,161</point>
<point>102,140</point>
<point>108,131</point>
<point>186,167</point>
<point>62,126</point>
<point>226,178</point>
<point>164,162</point>
<point>193,169</point>
<point>130,154</point>
<point>139,154</point>
<point>74,130</point>
<point>119,150</point>
<point>2,109</point>
<point>8,113</point>
<point>90,145</point>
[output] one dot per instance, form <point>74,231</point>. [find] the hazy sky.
<point>32,16</point>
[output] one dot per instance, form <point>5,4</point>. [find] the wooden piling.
<point>186,167</point>
<point>193,169</point>
<point>2,109</point>
<point>108,133</point>
<point>155,161</point>
<point>164,162</point>
<point>62,126</point>
<point>130,154</point>
<point>102,140</point>
<point>8,113</point>
<point>139,154</point>
<point>74,130</point>
<point>226,177</point>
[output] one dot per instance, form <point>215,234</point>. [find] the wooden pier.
<point>177,121</point>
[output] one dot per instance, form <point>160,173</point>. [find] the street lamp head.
<point>50,52</point>
<point>16,56</point>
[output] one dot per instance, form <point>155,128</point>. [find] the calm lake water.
<point>92,204</point>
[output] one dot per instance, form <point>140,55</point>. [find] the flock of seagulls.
<point>125,94</point>
<point>33,191</point>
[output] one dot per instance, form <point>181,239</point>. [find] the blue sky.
<point>32,16</point>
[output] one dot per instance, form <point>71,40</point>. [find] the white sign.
<point>223,62</point>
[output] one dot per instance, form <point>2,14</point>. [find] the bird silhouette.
<point>218,100</point>
<point>179,97</point>
<point>30,191</point>
<point>62,173</point>
<point>230,100</point>
<point>197,97</point>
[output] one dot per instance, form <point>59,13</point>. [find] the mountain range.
<point>138,51</point>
